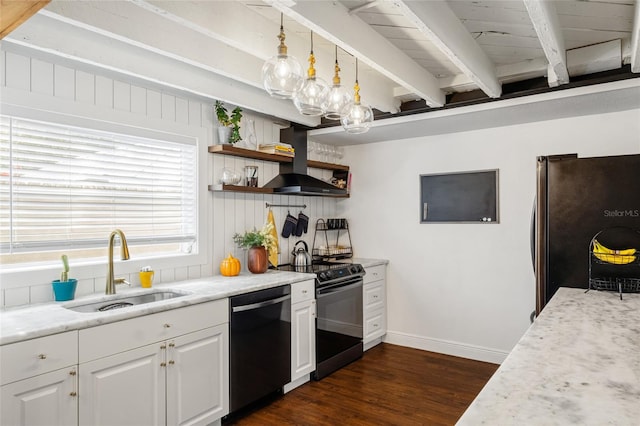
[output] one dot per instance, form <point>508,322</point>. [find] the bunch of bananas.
<point>617,257</point>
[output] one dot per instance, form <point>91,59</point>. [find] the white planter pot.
<point>224,134</point>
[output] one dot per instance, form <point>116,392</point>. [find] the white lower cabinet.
<point>39,381</point>
<point>176,382</point>
<point>375,306</point>
<point>303,327</point>
<point>124,389</point>
<point>303,333</point>
<point>198,377</point>
<point>180,380</point>
<point>48,399</point>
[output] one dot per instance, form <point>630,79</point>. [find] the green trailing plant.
<point>232,120</point>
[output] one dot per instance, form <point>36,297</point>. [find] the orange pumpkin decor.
<point>230,267</point>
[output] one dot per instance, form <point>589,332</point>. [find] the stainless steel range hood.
<point>293,178</point>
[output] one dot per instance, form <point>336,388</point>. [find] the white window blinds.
<point>63,186</point>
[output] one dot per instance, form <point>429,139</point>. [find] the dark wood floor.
<point>390,385</point>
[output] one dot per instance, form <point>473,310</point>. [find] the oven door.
<point>339,328</point>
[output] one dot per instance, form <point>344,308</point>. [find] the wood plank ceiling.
<point>408,50</point>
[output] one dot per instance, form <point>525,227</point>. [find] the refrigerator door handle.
<point>533,235</point>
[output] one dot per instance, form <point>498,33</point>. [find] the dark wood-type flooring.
<point>390,385</point>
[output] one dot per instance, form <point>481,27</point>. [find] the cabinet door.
<point>303,339</point>
<point>198,377</point>
<point>375,325</point>
<point>124,389</point>
<point>48,399</point>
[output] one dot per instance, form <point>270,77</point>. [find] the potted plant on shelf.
<point>229,129</point>
<point>259,243</point>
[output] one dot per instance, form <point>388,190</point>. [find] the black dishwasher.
<point>259,345</point>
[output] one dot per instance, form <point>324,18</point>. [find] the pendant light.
<point>310,99</point>
<point>338,97</point>
<point>282,75</point>
<point>357,118</point>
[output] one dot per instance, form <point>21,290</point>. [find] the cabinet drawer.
<point>120,336</point>
<point>37,356</point>
<point>375,273</point>
<point>375,325</point>
<point>374,295</point>
<point>303,291</point>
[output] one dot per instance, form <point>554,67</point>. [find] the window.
<point>66,188</point>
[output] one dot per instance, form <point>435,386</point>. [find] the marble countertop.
<point>28,322</point>
<point>578,364</point>
<point>366,263</point>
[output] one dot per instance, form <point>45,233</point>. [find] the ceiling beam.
<point>101,53</point>
<point>332,21</point>
<point>127,22</point>
<point>436,20</point>
<point>635,40</point>
<point>545,21</point>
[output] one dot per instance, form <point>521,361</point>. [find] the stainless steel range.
<point>339,328</point>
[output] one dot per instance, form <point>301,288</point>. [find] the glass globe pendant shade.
<point>337,99</point>
<point>310,99</point>
<point>282,75</point>
<point>357,118</point>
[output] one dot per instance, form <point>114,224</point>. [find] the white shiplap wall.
<point>37,82</point>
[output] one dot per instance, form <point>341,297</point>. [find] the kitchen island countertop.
<point>578,364</point>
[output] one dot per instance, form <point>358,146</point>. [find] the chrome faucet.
<point>124,255</point>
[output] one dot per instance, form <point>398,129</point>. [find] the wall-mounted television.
<point>470,197</point>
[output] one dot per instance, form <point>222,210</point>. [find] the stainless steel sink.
<point>125,301</point>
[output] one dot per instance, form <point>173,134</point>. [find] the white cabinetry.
<point>39,381</point>
<point>198,377</point>
<point>375,306</point>
<point>166,368</point>
<point>124,389</point>
<point>303,333</point>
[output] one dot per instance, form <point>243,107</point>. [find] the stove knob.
<point>323,275</point>
<point>355,269</point>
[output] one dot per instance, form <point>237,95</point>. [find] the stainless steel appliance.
<point>339,325</point>
<point>259,345</point>
<point>578,198</point>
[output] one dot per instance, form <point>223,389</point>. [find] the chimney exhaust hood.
<point>293,178</point>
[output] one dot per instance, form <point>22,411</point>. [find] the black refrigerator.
<point>577,200</point>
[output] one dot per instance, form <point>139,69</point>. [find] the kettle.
<point>301,256</point>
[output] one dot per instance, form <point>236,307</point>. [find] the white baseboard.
<point>372,343</point>
<point>446,347</point>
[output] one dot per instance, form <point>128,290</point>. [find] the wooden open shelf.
<point>14,13</point>
<point>257,155</point>
<point>248,153</point>
<point>238,188</point>
<point>327,166</point>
